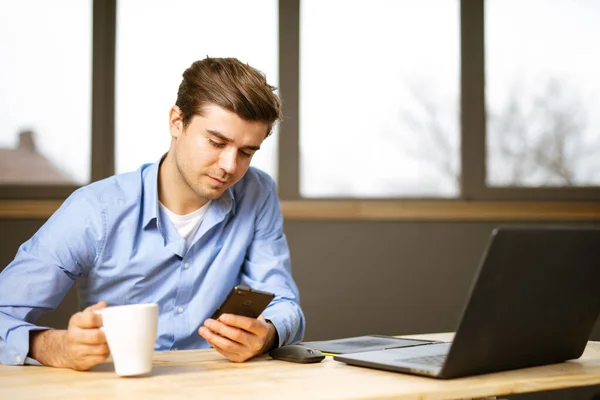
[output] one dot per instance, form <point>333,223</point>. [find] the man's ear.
<point>175,122</point>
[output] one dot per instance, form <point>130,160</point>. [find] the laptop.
<point>534,301</point>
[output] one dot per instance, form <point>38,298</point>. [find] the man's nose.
<point>227,160</point>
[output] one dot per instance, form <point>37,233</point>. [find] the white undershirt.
<point>187,225</point>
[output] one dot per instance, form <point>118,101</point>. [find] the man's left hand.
<point>239,338</point>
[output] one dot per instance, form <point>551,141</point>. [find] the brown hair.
<point>229,84</point>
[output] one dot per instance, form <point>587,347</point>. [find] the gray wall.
<point>381,277</point>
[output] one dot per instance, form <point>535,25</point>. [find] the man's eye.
<point>244,154</point>
<point>216,144</point>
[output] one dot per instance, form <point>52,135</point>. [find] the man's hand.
<point>239,338</point>
<point>81,346</point>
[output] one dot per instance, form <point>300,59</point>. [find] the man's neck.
<point>173,192</point>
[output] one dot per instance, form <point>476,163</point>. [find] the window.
<point>379,90</point>
<point>158,40</point>
<point>542,93</point>
<point>45,92</point>
<point>473,100</point>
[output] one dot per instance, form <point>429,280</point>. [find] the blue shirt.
<point>111,238</point>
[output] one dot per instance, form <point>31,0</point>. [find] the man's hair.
<point>229,84</point>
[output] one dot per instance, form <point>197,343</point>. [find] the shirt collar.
<point>224,204</point>
<point>150,193</point>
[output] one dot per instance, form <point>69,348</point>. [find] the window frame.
<point>473,122</point>
<point>103,109</point>
<point>472,130</point>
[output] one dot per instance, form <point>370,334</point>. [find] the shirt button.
<point>180,310</point>
<point>186,265</point>
<point>18,358</point>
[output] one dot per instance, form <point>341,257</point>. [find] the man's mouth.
<point>217,182</point>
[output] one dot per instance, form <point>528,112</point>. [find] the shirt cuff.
<point>15,351</point>
<point>277,341</point>
<point>285,323</point>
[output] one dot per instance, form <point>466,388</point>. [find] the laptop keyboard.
<point>434,361</point>
<point>366,342</point>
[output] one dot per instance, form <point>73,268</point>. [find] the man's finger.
<point>222,342</point>
<point>85,320</point>
<point>88,362</point>
<point>91,336</point>
<point>231,356</point>
<point>95,350</point>
<point>80,352</point>
<point>98,306</point>
<point>246,323</point>
<point>88,318</point>
<point>231,332</point>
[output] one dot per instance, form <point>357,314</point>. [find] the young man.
<point>180,232</point>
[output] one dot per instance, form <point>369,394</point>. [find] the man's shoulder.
<point>118,188</point>
<point>255,180</point>
<point>254,188</point>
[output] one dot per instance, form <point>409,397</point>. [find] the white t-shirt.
<point>188,224</point>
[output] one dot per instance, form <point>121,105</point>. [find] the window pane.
<point>157,40</point>
<point>379,98</point>
<point>543,92</point>
<point>45,91</point>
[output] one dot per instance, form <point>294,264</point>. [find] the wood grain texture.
<point>28,208</point>
<point>440,210</point>
<point>382,210</point>
<point>205,374</point>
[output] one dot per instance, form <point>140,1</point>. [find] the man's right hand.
<point>81,346</point>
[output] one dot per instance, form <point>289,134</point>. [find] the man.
<point>180,232</point>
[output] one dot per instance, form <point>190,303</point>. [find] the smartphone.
<point>245,301</point>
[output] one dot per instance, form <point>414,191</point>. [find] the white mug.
<point>131,332</point>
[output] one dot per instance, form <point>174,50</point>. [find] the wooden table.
<point>205,374</point>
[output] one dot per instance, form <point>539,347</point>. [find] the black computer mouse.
<point>297,353</point>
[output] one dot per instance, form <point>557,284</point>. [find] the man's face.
<point>214,151</point>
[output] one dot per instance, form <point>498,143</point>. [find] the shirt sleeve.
<point>267,267</point>
<point>44,270</point>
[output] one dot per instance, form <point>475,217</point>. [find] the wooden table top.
<point>205,374</point>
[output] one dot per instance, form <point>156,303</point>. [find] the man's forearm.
<point>48,346</point>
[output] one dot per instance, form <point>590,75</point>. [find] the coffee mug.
<point>130,332</point>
